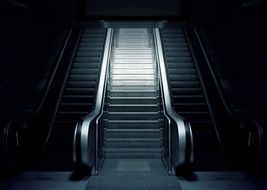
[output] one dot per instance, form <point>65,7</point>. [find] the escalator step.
<point>80,84</point>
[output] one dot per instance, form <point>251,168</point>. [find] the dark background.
<point>133,7</point>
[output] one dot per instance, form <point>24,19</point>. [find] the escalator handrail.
<point>89,120</point>
<point>183,127</point>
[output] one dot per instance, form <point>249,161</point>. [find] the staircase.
<point>133,118</point>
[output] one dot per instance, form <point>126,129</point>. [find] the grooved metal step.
<point>133,117</point>
<point>133,124</point>
<point>133,133</point>
<point>121,115</point>
<point>133,108</point>
<point>133,100</point>
<point>133,93</point>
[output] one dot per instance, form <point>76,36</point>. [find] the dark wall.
<point>133,7</point>
<point>31,35</point>
<point>198,7</point>
<point>236,42</point>
<point>69,7</point>
<point>77,9</point>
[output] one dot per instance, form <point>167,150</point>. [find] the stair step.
<point>88,53</point>
<point>133,155</point>
<point>81,71</point>
<point>172,49</point>
<point>133,107</point>
<point>81,49</point>
<point>133,100</point>
<point>133,61</point>
<point>134,83</point>
<point>133,124</point>
<point>182,44</point>
<point>130,66</point>
<point>81,84</point>
<point>133,150</point>
<point>190,115</point>
<point>86,59</point>
<point>120,51</point>
<point>185,84</point>
<point>175,78</point>
<point>133,55</point>
<point>133,133</point>
<point>133,71</point>
<point>189,98</point>
<point>92,65</point>
<point>182,71</point>
<point>133,93</point>
<point>133,142</point>
<point>90,40</point>
<point>183,107</point>
<point>77,98</point>
<point>132,77</point>
<point>79,91</point>
<point>96,44</point>
<point>132,87</point>
<point>133,115</point>
<point>186,91</point>
<point>81,77</point>
<point>180,65</point>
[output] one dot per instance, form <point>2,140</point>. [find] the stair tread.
<point>133,139</point>
<point>133,149</point>
<point>133,130</point>
<point>141,97</point>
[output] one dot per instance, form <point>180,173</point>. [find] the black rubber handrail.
<point>180,135</point>
<point>85,142</point>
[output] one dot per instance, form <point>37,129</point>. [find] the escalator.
<point>133,129</point>
<point>133,122</point>
<point>76,101</point>
<point>130,135</point>
<point>189,100</point>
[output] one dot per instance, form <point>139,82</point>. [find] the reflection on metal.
<point>178,131</point>
<point>86,139</point>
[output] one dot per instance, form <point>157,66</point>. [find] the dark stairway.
<point>77,100</point>
<point>133,136</point>
<point>189,100</point>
